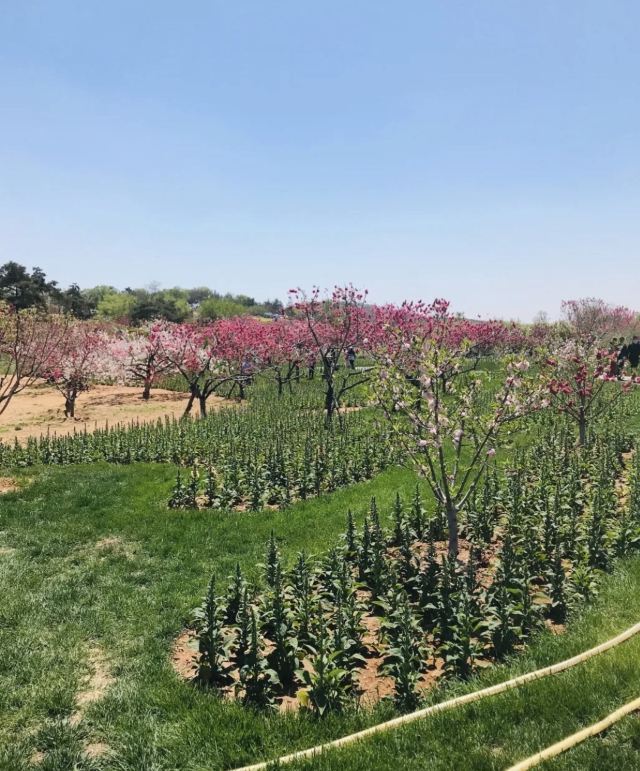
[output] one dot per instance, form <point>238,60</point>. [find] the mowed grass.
<point>90,557</point>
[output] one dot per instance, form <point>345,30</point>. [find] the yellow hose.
<point>578,737</point>
<point>446,705</point>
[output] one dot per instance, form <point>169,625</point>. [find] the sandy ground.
<point>39,410</point>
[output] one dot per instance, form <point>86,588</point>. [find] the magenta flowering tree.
<point>451,433</point>
<point>221,357</point>
<point>580,383</point>
<point>334,324</point>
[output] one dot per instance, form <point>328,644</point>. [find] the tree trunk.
<point>70,406</point>
<point>452,526</point>
<point>146,393</point>
<point>582,430</point>
<point>202,401</point>
<point>192,397</point>
<point>329,402</point>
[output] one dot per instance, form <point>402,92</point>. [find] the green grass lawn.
<point>91,558</point>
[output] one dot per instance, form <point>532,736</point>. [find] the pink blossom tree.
<point>286,350</point>
<point>221,357</point>
<point>242,347</point>
<point>141,356</point>
<point>30,344</point>
<point>78,363</point>
<point>591,317</point>
<point>187,348</point>
<point>580,383</point>
<point>451,433</point>
<point>334,324</point>
<point>579,370</point>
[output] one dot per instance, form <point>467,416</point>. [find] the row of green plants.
<point>269,453</point>
<point>535,540</point>
<point>279,474</point>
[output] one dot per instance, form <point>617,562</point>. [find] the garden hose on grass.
<point>578,737</point>
<point>444,706</point>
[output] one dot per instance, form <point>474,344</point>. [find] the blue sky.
<point>487,152</point>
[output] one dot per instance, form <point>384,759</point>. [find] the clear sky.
<point>487,151</point>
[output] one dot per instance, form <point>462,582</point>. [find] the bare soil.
<point>39,410</point>
<point>116,545</point>
<point>96,749</point>
<point>7,485</point>
<point>184,655</point>
<point>97,685</point>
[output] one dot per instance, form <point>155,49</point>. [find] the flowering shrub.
<point>579,372</point>
<point>447,413</point>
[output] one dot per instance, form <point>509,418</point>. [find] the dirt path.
<point>39,410</point>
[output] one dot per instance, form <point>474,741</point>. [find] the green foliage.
<point>483,607</point>
<point>326,684</point>
<point>214,641</point>
<point>133,598</point>
<point>23,289</point>
<point>257,680</point>
<point>406,654</point>
<point>270,454</point>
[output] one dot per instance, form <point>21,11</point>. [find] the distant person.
<point>614,367</point>
<point>622,355</point>
<point>351,358</point>
<point>330,363</point>
<point>633,352</point>
<point>246,371</point>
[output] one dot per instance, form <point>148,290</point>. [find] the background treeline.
<point>32,289</point>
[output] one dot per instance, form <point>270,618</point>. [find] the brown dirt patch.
<point>39,410</point>
<point>555,627</point>
<point>183,655</point>
<point>7,485</point>
<point>96,749</point>
<point>99,681</point>
<point>372,684</point>
<point>115,545</point>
